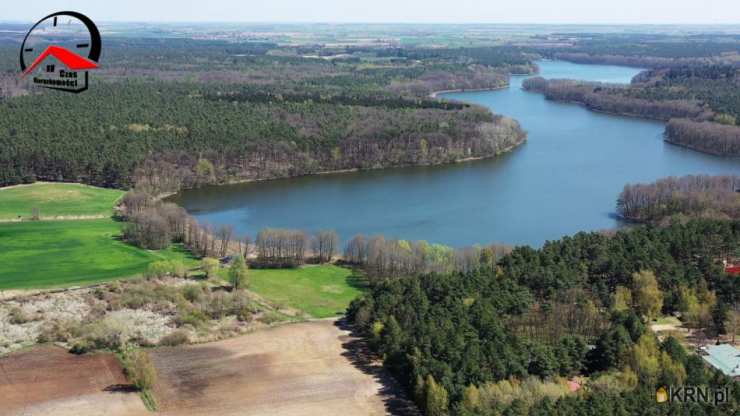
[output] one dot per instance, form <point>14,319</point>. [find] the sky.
<point>391,11</point>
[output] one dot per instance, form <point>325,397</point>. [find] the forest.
<point>503,338</point>
<point>179,113</point>
<point>687,196</point>
<point>701,104</point>
<point>645,50</point>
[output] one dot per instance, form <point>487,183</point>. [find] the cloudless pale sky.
<point>378,11</point>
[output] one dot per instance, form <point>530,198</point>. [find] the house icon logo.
<point>661,395</point>
<point>60,50</point>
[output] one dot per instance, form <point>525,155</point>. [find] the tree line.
<point>713,138</point>
<point>691,196</point>
<point>155,225</point>
<point>387,258</point>
<point>612,99</point>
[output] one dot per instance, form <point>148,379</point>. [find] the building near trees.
<point>725,358</point>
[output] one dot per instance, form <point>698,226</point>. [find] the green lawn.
<point>37,254</point>
<point>56,199</point>
<point>320,291</point>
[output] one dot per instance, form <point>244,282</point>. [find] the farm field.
<point>49,380</point>
<point>56,200</point>
<point>320,291</point>
<point>40,254</point>
<point>299,369</point>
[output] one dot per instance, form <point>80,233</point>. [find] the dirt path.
<point>312,368</point>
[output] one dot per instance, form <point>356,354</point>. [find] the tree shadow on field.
<point>121,388</point>
<point>357,280</point>
<point>358,353</point>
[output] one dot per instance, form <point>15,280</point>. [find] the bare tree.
<point>325,244</point>
<point>223,235</point>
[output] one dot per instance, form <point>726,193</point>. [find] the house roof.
<point>725,358</point>
<point>70,59</point>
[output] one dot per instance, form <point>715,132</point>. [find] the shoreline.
<point>509,149</point>
<point>666,139</point>
<point>435,94</point>
<point>696,149</point>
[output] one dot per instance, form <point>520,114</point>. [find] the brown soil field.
<point>50,381</point>
<point>312,368</point>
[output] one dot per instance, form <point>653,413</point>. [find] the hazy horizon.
<point>535,12</point>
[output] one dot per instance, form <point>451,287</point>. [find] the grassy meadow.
<point>70,252</point>
<point>40,254</point>
<point>56,199</point>
<point>320,291</point>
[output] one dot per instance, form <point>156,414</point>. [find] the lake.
<point>565,179</point>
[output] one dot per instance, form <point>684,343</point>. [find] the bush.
<point>191,316</point>
<point>102,335</point>
<point>193,293</point>
<point>81,346</point>
<point>152,294</point>
<point>210,266</point>
<point>62,330</point>
<point>138,368</point>
<point>174,339</point>
<point>244,314</point>
<point>18,316</point>
<point>238,273</point>
<point>159,269</point>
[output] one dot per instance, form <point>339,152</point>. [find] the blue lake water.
<point>565,179</point>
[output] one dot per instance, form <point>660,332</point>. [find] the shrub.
<point>209,266</point>
<point>174,339</point>
<point>238,273</point>
<point>18,316</point>
<point>152,294</point>
<point>271,317</point>
<point>104,334</point>
<point>191,316</point>
<point>244,314</point>
<point>157,269</point>
<point>193,293</point>
<point>81,346</point>
<point>138,368</point>
<point>61,330</point>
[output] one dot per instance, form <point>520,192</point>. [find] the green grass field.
<point>320,291</point>
<point>56,199</point>
<point>40,254</point>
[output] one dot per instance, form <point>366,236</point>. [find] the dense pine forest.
<point>172,114</point>
<point>501,340</point>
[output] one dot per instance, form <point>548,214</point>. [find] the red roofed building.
<point>732,268</point>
